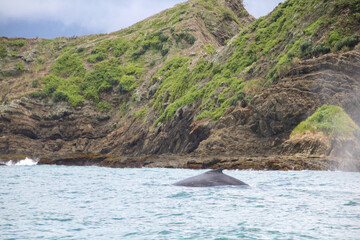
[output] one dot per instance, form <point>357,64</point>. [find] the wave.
<point>24,162</point>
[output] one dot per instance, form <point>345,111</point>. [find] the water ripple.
<point>55,202</point>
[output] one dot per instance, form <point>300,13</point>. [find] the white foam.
<point>25,162</point>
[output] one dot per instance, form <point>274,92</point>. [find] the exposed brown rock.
<point>285,163</point>
<point>258,133</point>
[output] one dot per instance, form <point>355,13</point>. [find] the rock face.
<point>331,79</point>
<point>253,137</point>
<point>39,129</point>
<point>34,129</point>
<point>263,128</point>
<point>344,151</point>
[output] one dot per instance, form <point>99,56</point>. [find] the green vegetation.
<point>184,36</point>
<point>153,42</point>
<point>228,15</point>
<point>142,114</point>
<point>329,120</point>
<point>349,42</point>
<point>35,83</point>
<point>18,42</point>
<point>14,54</point>
<point>3,51</point>
<point>100,52</point>
<point>267,34</point>
<point>180,86</point>
<point>102,68</point>
<point>64,89</point>
<point>68,65</point>
<point>20,66</point>
<point>38,95</point>
<point>94,67</point>
<point>174,81</point>
<point>267,40</point>
<point>70,83</point>
<point>209,49</point>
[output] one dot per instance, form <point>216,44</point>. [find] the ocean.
<point>58,202</point>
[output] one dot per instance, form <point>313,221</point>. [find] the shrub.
<point>209,49</point>
<point>60,97</point>
<point>68,65</point>
<point>120,46</point>
<point>320,50</point>
<point>3,51</point>
<point>19,66</point>
<point>105,73</point>
<point>306,48</point>
<point>76,100</point>
<point>187,37</point>
<point>291,55</point>
<point>14,54</point>
<point>94,58</point>
<point>233,101</point>
<point>240,95</point>
<point>38,95</point>
<point>35,84</point>
<point>52,82</point>
<point>68,89</point>
<point>127,83</point>
<point>138,53</point>
<point>103,106</point>
<point>333,38</point>
<point>162,37</point>
<point>276,15</point>
<point>190,39</point>
<point>330,120</point>
<point>18,42</point>
<point>350,42</point>
<point>100,57</point>
<point>164,52</point>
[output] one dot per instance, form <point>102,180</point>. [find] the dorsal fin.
<point>219,170</point>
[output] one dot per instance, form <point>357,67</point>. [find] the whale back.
<point>209,179</point>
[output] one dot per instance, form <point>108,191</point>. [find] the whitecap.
<point>25,162</point>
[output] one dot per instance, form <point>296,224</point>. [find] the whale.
<point>210,179</point>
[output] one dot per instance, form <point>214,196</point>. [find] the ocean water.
<point>57,202</point>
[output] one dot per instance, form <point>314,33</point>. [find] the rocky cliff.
<point>202,85</point>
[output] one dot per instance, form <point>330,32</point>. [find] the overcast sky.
<point>53,18</point>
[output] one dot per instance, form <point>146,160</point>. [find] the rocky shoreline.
<point>297,162</point>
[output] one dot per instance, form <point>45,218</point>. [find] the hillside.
<point>203,81</point>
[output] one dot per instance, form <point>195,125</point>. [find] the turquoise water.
<point>56,202</point>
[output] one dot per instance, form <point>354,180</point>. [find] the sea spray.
<point>25,162</point>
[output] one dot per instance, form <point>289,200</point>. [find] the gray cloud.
<point>94,16</point>
<point>104,16</point>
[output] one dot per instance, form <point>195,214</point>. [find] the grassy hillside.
<point>266,50</point>
<point>101,68</point>
<point>169,60</point>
